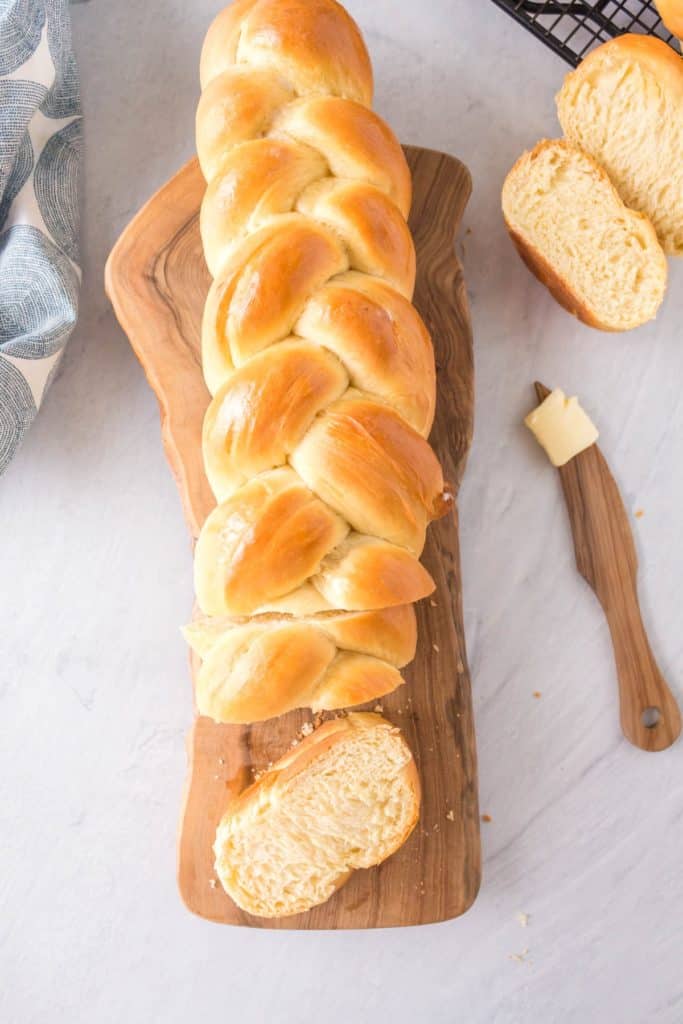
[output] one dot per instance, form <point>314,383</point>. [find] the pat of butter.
<point>561,426</point>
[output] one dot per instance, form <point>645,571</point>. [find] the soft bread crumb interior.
<point>632,124</point>
<point>557,200</point>
<point>350,808</point>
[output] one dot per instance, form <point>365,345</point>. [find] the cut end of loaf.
<point>599,259</point>
<point>346,798</point>
<point>623,105</point>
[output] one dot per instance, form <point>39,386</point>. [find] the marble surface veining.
<point>586,833</point>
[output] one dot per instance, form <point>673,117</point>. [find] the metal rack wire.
<point>573,27</point>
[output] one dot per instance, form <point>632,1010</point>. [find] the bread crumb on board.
<point>518,957</point>
<point>487,818</point>
<point>436,647</point>
<point>433,604</point>
<point>450,815</point>
<point>307,729</point>
<point>213,883</point>
<point>378,708</point>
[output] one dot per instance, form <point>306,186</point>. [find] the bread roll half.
<point>599,259</point>
<point>624,106</point>
<point>347,797</point>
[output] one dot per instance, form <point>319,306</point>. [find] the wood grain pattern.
<point>157,282</point>
<point>606,558</point>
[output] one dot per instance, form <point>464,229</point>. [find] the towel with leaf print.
<point>40,139</point>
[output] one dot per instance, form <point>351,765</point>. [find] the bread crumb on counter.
<point>523,919</point>
<point>639,513</point>
<point>518,957</point>
<point>487,818</point>
<point>537,694</point>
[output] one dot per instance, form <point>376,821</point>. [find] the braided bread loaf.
<point>321,371</point>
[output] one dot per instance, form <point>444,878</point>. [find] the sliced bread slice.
<point>624,106</point>
<point>599,259</point>
<point>347,797</point>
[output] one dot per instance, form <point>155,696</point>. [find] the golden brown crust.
<point>262,412</point>
<point>329,54</point>
<point>273,534</point>
<point>653,53</point>
<point>264,541</point>
<point>260,298</point>
<point>365,573</point>
<point>671,12</point>
<point>375,232</point>
<point>386,633</point>
<point>400,489</point>
<point>322,372</point>
<point>236,106</point>
<point>355,141</point>
<point>267,665</point>
<point>381,339</point>
<point>257,180</point>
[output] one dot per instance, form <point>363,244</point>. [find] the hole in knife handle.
<point>650,717</point>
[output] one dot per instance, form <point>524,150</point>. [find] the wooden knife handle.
<point>650,717</point>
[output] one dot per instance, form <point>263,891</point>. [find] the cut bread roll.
<point>599,259</point>
<point>347,797</point>
<point>264,666</point>
<point>624,106</point>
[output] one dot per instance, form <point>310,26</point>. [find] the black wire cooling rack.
<point>574,27</point>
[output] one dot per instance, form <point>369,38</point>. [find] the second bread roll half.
<point>624,106</point>
<point>599,259</point>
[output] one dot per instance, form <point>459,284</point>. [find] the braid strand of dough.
<point>320,369</point>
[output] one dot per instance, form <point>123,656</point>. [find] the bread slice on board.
<point>624,106</point>
<point>346,797</point>
<point>599,259</point>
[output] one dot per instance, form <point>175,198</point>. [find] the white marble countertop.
<point>586,835</point>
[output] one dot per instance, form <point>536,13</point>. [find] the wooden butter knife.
<point>606,558</point>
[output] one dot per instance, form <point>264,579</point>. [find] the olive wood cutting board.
<point>157,281</point>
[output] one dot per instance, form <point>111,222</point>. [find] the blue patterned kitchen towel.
<point>40,142</point>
